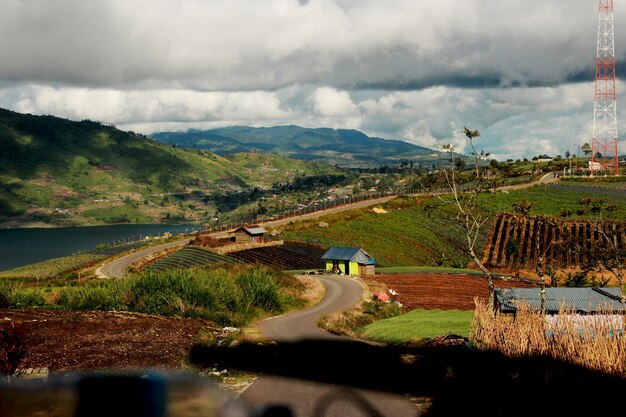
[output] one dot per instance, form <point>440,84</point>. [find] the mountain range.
<point>342,147</point>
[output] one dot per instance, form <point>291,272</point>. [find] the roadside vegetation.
<point>228,296</point>
<point>54,267</point>
<point>419,325</point>
<point>593,342</point>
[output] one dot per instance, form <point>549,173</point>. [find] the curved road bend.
<point>306,398</point>
<point>118,267</point>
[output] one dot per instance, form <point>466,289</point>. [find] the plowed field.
<point>443,291</point>
<point>65,340</point>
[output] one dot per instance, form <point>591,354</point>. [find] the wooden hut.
<point>249,233</point>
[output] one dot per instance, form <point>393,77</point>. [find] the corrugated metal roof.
<point>341,253</point>
<point>582,300</point>
<point>254,229</point>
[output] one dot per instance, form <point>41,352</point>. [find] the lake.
<point>20,247</point>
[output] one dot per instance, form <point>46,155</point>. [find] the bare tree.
<point>543,245</point>
<point>469,215</point>
<point>608,254</point>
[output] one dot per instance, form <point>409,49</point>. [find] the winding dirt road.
<point>117,268</point>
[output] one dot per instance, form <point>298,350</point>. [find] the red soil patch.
<point>443,291</point>
<point>64,340</point>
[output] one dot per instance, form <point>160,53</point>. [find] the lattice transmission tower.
<point>604,156</point>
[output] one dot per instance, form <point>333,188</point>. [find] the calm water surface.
<point>26,246</point>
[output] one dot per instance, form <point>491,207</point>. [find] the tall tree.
<point>586,148</point>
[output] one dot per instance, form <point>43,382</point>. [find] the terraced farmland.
<point>518,242</point>
<point>190,256</point>
<point>291,255</point>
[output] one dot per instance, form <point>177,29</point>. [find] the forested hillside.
<point>63,172</point>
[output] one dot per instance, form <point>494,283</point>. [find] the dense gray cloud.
<point>520,71</point>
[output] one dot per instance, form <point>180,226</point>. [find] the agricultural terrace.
<point>423,231</point>
<point>402,232</point>
<point>189,257</point>
<point>518,242</point>
<point>290,255</point>
<point>553,199</point>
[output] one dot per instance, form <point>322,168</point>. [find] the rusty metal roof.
<point>253,229</point>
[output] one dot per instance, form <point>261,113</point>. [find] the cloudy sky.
<point>520,71</point>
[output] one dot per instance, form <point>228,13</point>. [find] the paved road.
<point>546,179</point>
<point>118,267</point>
<point>341,294</point>
<point>315,399</point>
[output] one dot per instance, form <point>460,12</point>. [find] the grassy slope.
<point>420,324</point>
<point>408,234</point>
<point>551,199</point>
<point>416,232</point>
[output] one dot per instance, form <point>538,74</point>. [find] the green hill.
<point>410,231</point>
<point>423,231</point>
<point>341,147</point>
<point>62,172</point>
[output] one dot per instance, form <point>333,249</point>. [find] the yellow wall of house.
<point>354,267</point>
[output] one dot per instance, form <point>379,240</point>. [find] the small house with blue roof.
<point>348,261</point>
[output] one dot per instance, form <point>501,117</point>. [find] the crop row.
<point>521,242</point>
<point>190,256</point>
<point>284,257</point>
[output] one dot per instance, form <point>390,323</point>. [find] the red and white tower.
<point>604,156</point>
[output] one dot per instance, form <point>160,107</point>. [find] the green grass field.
<point>412,232</point>
<point>551,199</point>
<point>423,231</point>
<point>420,324</point>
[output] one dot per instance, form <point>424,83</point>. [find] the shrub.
<point>28,297</point>
<point>259,289</point>
<point>90,297</point>
<point>380,310</point>
<point>7,292</point>
<point>12,348</point>
<point>158,292</point>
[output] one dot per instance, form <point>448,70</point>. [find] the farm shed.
<point>580,300</point>
<point>249,233</point>
<point>349,261</point>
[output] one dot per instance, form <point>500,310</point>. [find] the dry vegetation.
<point>593,342</point>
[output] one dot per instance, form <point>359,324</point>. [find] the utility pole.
<point>604,153</point>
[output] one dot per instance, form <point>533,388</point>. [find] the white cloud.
<point>329,102</point>
<point>145,107</point>
<point>520,71</point>
<point>267,44</point>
